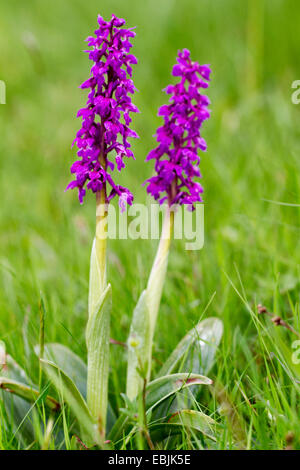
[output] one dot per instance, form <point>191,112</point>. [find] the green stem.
<point>145,423</point>
<point>157,277</point>
<point>101,236</point>
<point>159,268</point>
<point>145,314</point>
<point>97,331</point>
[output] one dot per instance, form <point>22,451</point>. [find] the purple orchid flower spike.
<point>104,133</point>
<point>106,117</point>
<point>179,138</point>
<point>177,166</point>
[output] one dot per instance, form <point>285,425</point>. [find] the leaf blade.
<point>163,387</point>
<point>70,393</point>
<point>69,362</point>
<point>206,336</point>
<point>76,369</point>
<point>186,419</point>
<point>97,339</point>
<point>28,393</point>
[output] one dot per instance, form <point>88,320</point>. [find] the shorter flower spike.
<point>179,138</point>
<point>106,117</point>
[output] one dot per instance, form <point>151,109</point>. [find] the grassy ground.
<point>251,251</point>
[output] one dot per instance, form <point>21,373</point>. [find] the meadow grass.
<point>251,253</point>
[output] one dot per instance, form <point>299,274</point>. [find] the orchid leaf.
<point>97,282</point>
<point>183,421</point>
<point>160,389</point>
<point>157,391</point>
<point>97,339</point>
<point>18,409</point>
<point>72,396</point>
<point>196,351</point>
<point>28,393</point>
<point>74,367</point>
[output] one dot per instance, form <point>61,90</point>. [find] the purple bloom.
<point>106,117</point>
<point>176,156</point>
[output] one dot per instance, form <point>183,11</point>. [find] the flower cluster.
<point>105,119</point>
<point>179,138</point>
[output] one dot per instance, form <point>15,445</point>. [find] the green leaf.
<point>28,393</point>
<point>121,428</point>
<point>76,369</point>
<point>183,421</point>
<point>71,395</point>
<point>19,411</point>
<point>293,366</point>
<point>139,351</point>
<point>157,391</point>
<point>97,283</point>
<point>20,397</point>
<point>163,387</point>
<point>97,339</point>
<point>72,365</point>
<point>196,351</point>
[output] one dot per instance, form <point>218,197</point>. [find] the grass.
<point>251,251</point>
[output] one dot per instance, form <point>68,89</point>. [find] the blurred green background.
<point>253,156</point>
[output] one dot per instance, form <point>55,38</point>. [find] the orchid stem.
<point>159,268</point>
<point>98,327</point>
<point>101,235</point>
<point>145,314</point>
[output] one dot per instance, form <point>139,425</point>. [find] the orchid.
<point>104,132</point>
<point>106,117</point>
<point>179,140</point>
<point>103,146</point>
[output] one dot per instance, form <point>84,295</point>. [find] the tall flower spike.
<point>106,117</point>
<point>104,132</point>
<point>179,138</point>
